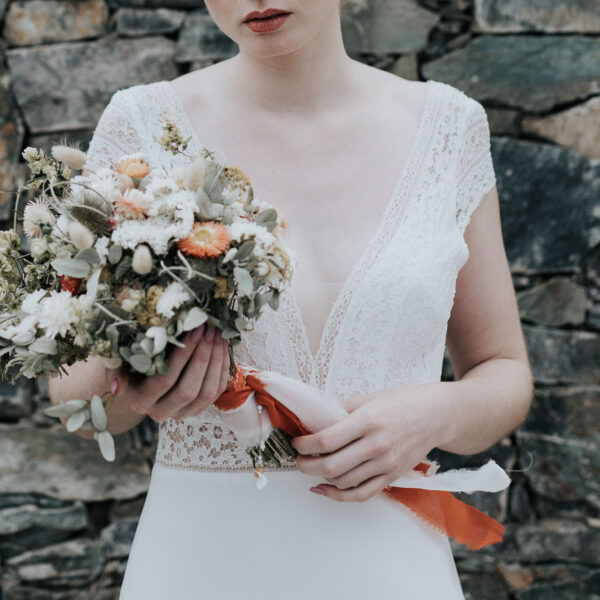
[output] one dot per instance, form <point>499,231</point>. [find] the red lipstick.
<point>267,20</point>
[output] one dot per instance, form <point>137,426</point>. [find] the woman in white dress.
<point>378,177</point>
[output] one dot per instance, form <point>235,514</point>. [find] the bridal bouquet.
<point>124,260</point>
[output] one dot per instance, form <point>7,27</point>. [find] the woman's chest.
<point>332,214</point>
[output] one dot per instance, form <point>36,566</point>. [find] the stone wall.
<point>67,518</point>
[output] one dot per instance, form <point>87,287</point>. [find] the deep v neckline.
<point>315,368</point>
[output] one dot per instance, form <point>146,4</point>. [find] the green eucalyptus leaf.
<point>244,280</point>
<point>112,335</point>
<point>89,255</point>
<point>125,352</point>
<point>115,252</point>
<point>97,413</point>
<point>194,318</point>
<point>229,332</point>
<point>122,268</point>
<point>136,347</point>
<point>147,346</point>
<point>175,341</point>
<point>262,299</point>
<point>274,300</point>
<point>76,420</point>
<point>37,365</point>
<point>241,323</point>
<point>92,284</point>
<point>267,218</point>
<point>71,266</point>
<point>65,409</point>
<point>227,218</point>
<point>245,250</point>
<point>106,443</point>
<point>44,346</point>
<point>140,362</point>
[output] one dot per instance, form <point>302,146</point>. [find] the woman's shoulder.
<point>447,97</point>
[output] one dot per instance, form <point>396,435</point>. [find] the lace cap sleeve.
<point>476,176</point>
<point>114,135</point>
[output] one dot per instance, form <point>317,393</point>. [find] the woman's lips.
<point>268,23</point>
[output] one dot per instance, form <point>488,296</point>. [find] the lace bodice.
<point>387,326</point>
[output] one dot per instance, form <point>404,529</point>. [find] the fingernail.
<point>197,333</point>
<point>114,385</point>
<point>318,490</point>
<point>210,332</point>
<point>218,336</point>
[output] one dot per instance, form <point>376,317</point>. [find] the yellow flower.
<point>148,316</point>
<point>221,287</point>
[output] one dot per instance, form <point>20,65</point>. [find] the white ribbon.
<point>316,410</point>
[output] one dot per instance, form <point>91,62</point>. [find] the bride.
<point>389,191</point>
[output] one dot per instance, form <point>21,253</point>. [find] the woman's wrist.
<point>446,402</point>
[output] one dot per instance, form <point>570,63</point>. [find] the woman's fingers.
<point>209,390</point>
<point>154,387</point>
<point>225,370</point>
<point>187,388</point>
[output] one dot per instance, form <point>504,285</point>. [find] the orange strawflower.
<point>134,166</point>
<point>208,239</point>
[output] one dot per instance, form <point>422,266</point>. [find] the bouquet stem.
<point>277,449</point>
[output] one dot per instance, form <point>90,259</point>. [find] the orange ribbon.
<point>441,509</point>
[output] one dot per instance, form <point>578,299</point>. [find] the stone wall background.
<point>67,518</point>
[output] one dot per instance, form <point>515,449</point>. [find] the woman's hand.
<point>197,375</point>
<point>385,434</point>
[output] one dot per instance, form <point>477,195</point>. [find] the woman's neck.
<point>311,79</point>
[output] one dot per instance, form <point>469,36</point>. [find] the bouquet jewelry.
<point>124,260</point>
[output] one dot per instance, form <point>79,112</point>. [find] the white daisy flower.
<point>161,185</point>
<point>31,302</point>
<point>173,297</point>
<point>169,217</point>
<point>38,247</point>
<point>36,212</point>
<point>248,229</point>
<point>58,313</point>
<point>22,333</point>
<point>101,246</point>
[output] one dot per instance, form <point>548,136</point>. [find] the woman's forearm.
<point>86,378</point>
<point>489,402</point>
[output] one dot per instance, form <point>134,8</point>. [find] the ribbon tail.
<point>449,515</point>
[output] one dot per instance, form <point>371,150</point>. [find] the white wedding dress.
<point>206,531</point>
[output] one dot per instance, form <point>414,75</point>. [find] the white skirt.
<point>214,536</point>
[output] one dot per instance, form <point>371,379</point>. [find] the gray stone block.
<point>62,464</point>
<point>71,564</point>
<point>29,22</point>
<point>548,204</point>
<point>85,75</point>
<point>495,16</point>
<point>514,70</point>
